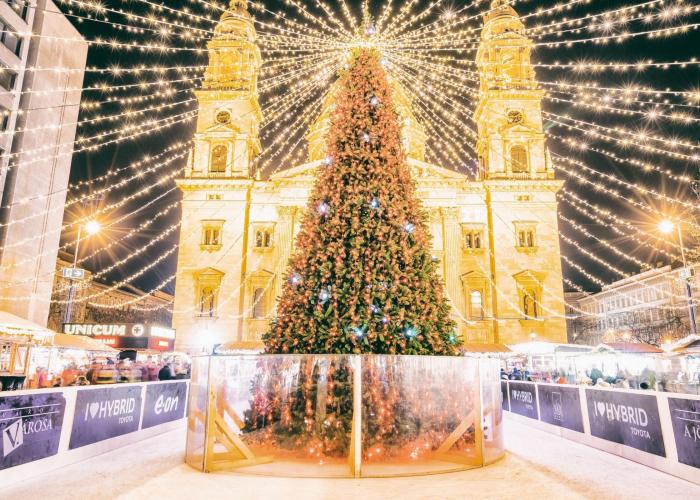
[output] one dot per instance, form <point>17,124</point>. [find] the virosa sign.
<point>30,427</point>
<point>626,418</point>
<point>105,413</point>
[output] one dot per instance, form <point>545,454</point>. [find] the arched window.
<point>258,303</point>
<point>219,157</point>
<point>258,239</point>
<point>268,239</point>
<point>476,305</point>
<point>207,301</point>
<point>518,159</point>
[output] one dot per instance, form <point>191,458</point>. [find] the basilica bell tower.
<point>527,295</point>
<point>216,186</point>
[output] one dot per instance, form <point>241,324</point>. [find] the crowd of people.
<point>646,380</point>
<point>110,371</point>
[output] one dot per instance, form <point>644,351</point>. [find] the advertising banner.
<point>504,394</point>
<point>561,406</point>
<point>30,426</point>
<point>164,403</point>
<point>685,418</point>
<point>105,413</point>
<point>523,399</point>
<point>626,418</point>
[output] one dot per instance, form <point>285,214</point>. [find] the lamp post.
<point>666,226</point>
<point>91,227</point>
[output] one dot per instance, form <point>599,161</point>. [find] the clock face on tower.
<point>514,116</point>
<point>223,117</point>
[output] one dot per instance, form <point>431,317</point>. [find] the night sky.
<point>88,165</point>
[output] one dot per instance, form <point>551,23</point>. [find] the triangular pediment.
<point>420,171</point>
<point>222,128</point>
<point>517,128</point>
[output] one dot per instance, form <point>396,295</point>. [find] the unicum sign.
<point>97,330</point>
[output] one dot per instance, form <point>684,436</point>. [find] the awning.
<point>483,347</point>
<point>63,341</point>
<point>245,346</point>
<point>629,348</point>
<point>14,325</point>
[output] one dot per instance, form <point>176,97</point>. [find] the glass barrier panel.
<point>286,415</point>
<point>420,414</point>
<point>491,410</point>
<point>197,411</point>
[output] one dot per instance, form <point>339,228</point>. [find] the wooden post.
<point>356,434</point>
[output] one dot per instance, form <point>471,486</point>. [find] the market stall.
<point>17,338</point>
<point>542,360</point>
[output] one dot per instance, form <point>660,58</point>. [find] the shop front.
<point>126,336</point>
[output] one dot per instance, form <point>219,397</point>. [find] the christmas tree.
<point>362,279</point>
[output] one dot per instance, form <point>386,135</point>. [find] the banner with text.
<point>30,426</point>
<point>105,413</point>
<point>685,419</point>
<point>164,403</point>
<point>626,418</point>
<point>523,399</point>
<point>561,406</point>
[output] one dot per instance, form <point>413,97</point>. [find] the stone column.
<point>452,244</point>
<point>286,216</point>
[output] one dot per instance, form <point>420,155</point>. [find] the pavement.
<point>538,466</point>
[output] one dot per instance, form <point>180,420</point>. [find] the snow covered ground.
<point>538,466</point>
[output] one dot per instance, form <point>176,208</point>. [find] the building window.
<point>259,303</point>
<point>207,301</point>
<point>7,79</point>
<point>476,305</point>
<point>518,159</point>
<point>211,235</point>
<point>9,38</point>
<point>4,119</point>
<point>263,238</point>
<point>219,158</point>
<point>472,240</point>
<point>525,237</point>
<point>530,306</point>
<point>21,7</point>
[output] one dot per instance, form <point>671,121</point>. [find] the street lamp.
<point>666,226</point>
<point>92,227</point>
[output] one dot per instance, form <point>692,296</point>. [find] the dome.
<point>236,22</point>
<point>499,8</point>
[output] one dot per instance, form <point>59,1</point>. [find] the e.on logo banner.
<point>105,413</point>
<point>164,403</point>
<point>626,418</point>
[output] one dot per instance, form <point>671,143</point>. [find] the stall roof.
<point>231,347</point>
<point>539,347</point>
<point>65,341</point>
<point>14,325</point>
<point>687,345</point>
<point>483,347</point>
<point>630,347</point>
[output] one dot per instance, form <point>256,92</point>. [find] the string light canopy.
<point>622,128</point>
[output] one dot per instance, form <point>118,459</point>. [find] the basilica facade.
<point>495,235</point>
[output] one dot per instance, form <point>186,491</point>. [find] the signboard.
<point>116,330</point>
<point>523,399</point>
<point>73,273</point>
<point>30,426</point>
<point>685,419</point>
<point>504,395</point>
<point>105,413</point>
<point>560,406</point>
<point>164,403</point>
<point>626,418</point>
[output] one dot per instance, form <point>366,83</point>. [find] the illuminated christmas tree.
<point>362,279</point>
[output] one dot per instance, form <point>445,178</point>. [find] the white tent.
<point>14,325</point>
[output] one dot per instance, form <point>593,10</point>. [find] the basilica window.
<point>518,159</point>
<point>525,236</point>
<point>259,303</point>
<point>219,159</point>
<point>211,235</point>
<point>476,304</point>
<point>207,284</point>
<point>207,301</point>
<point>473,237</point>
<point>262,237</point>
<point>529,284</point>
